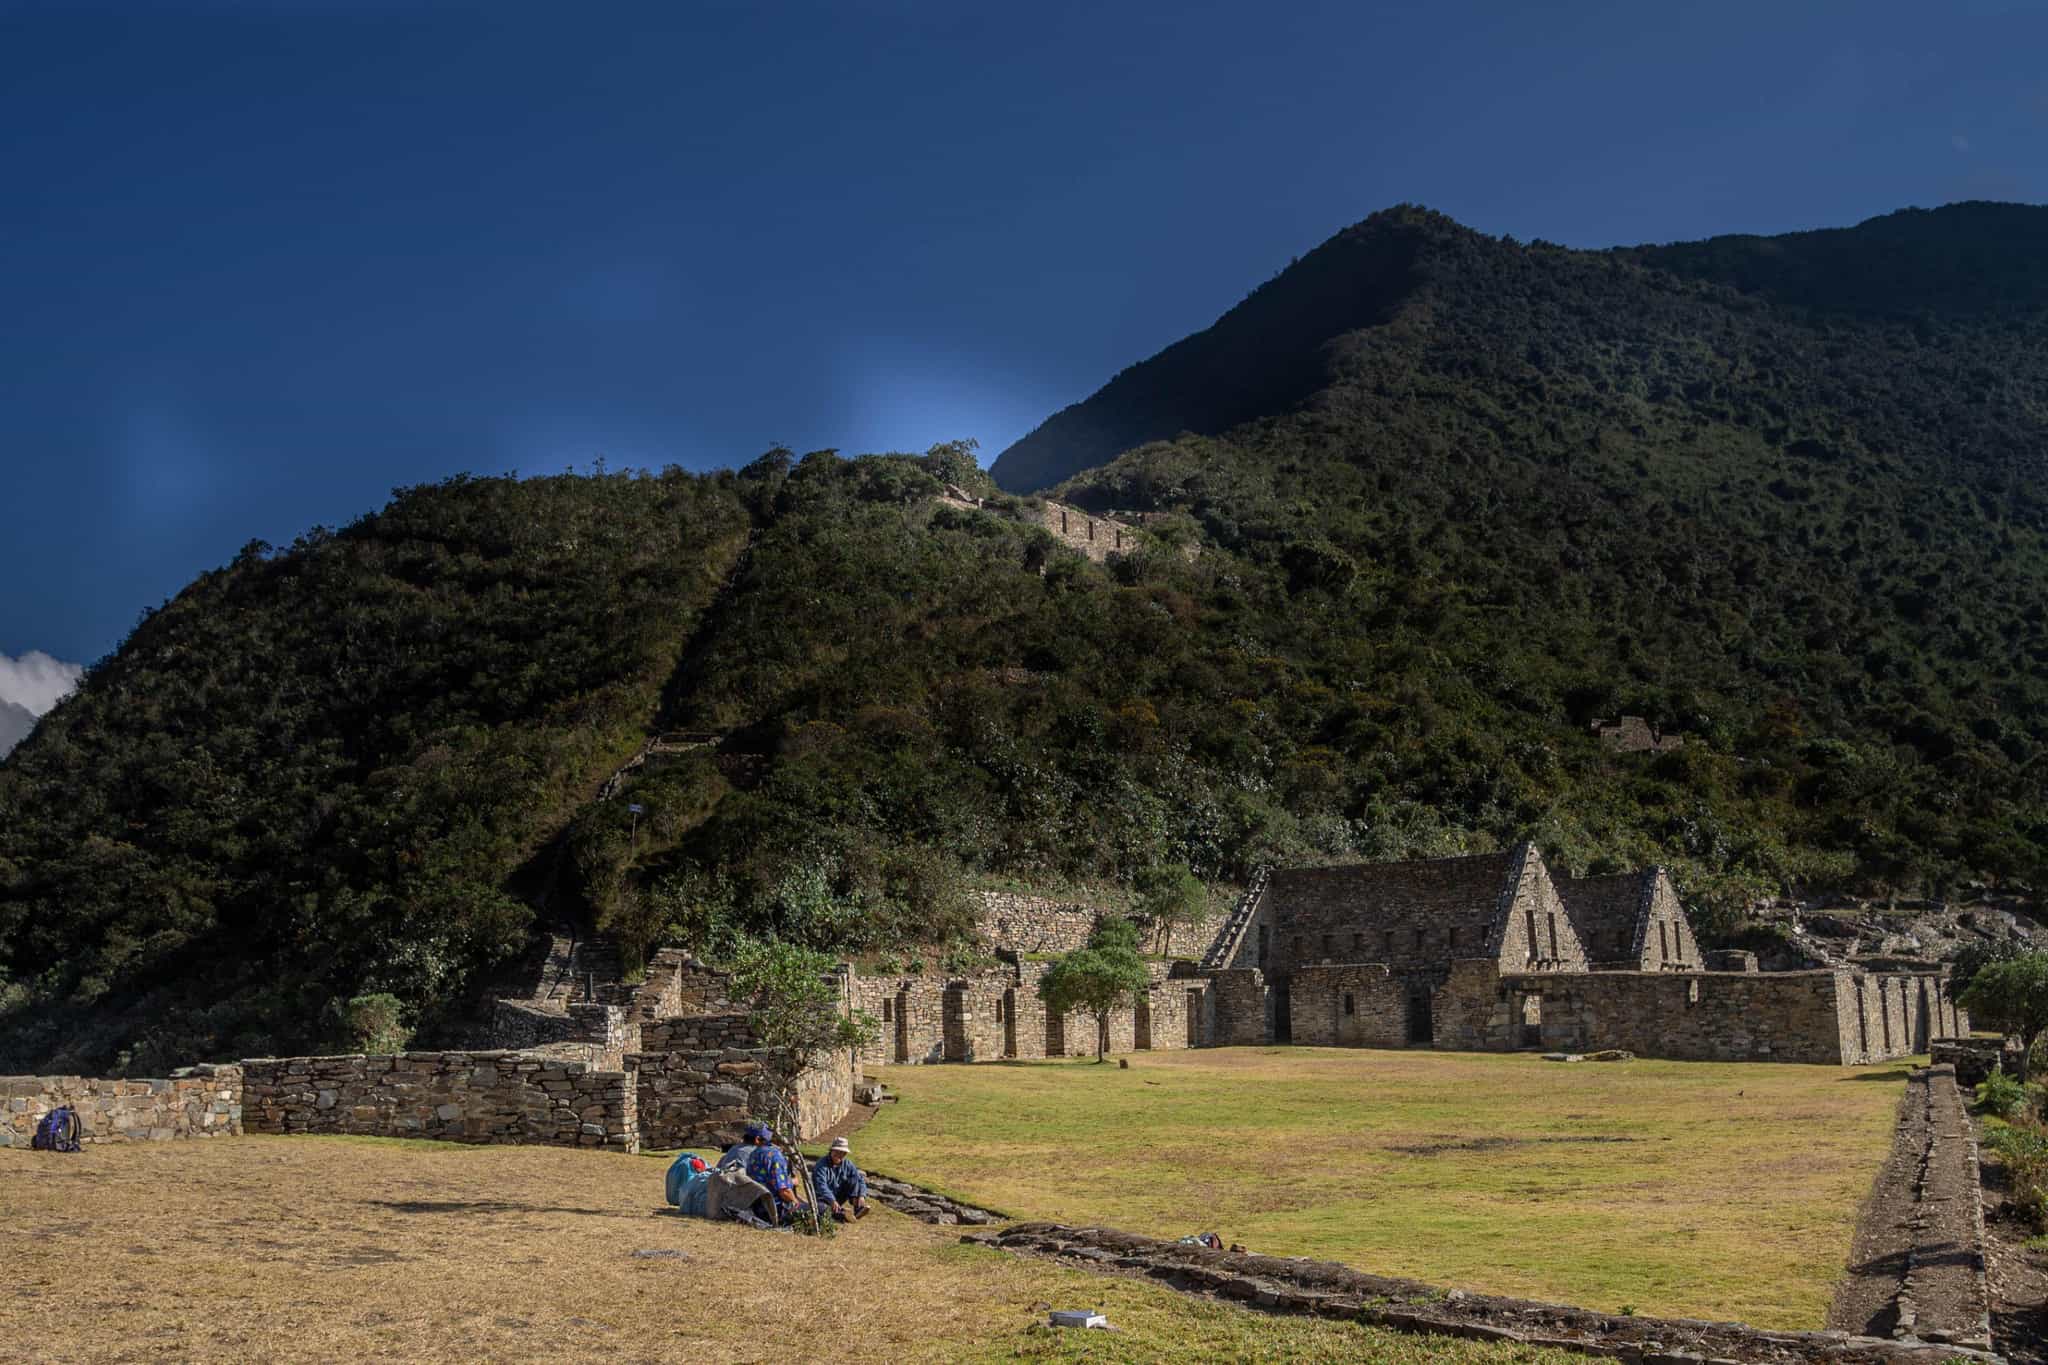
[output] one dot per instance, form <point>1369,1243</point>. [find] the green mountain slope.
<point>1509,489</point>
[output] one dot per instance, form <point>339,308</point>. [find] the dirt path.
<point>1916,1266</point>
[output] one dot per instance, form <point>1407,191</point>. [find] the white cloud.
<point>36,682</point>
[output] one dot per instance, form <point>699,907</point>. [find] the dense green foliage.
<point>314,773</point>
<point>2012,995</point>
<point>1527,488</point>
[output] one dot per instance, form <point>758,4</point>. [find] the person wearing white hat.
<point>840,1186</point>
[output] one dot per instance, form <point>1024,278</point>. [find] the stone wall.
<point>1828,1017</point>
<point>910,1017</point>
<point>697,1033</point>
<point>1240,1014</point>
<point>1360,1005</point>
<point>694,1099</point>
<point>1038,925</point>
<point>1535,934</point>
<point>497,1097</point>
<point>1668,942</point>
<point>1417,917</point>
<point>1034,924</point>
<point>973,1013</point>
<point>598,1035</point>
<point>1024,1015</point>
<point>207,1103</point>
<point>1162,1020</point>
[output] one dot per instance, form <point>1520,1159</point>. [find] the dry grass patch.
<point>336,1248</point>
<point>1687,1189</point>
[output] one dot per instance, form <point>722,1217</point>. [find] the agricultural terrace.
<point>306,1248</point>
<point>1687,1189</point>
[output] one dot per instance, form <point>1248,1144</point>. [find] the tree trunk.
<point>1101,1034</point>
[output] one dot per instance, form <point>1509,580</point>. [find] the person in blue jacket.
<point>767,1167</point>
<point>841,1188</point>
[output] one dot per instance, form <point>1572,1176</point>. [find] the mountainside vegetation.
<point>1440,503</point>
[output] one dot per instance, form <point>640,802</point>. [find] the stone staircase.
<point>1231,937</point>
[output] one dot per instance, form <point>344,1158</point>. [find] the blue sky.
<point>262,262</point>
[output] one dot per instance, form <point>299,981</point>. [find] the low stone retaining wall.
<point>206,1103</point>
<point>697,1033</point>
<point>1973,1058</point>
<point>694,1099</point>
<point>1327,1289</point>
<point>1917,1263</point>
<point>495,1097</point>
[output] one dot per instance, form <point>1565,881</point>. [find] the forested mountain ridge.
<point>1525,488</point>
<point>1965,279</point>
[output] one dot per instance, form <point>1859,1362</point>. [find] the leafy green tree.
<point>1104,975</point>
<point>1171,897</point>
<point>797,1006</point>
<point>2013,995</point>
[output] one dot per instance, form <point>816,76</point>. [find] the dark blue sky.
<point>260,263</point>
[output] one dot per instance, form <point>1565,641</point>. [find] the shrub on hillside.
<point>2023,1147</point>
<point>375,1024</point>
<point>2004,1096</point>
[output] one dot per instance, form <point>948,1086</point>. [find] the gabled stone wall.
<point>1535,933</point>
<point>207,1103</point>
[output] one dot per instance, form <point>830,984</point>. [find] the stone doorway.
<point>1532,1021</point>
<point>1010,1022</point>
<point>1283,1017</point>
<point>1194,1018</point>
<point>1421,1026</point>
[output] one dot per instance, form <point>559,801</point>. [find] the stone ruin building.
<point>1482,953</point>
<point>1634,735</point>
<point>1491,953</point>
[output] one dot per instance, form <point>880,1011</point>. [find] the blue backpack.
<point>58,1132</point>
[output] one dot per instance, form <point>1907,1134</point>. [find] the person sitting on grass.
<point>841,1188</point>
<point>769,1168</point>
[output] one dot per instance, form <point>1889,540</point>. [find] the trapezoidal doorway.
<point>1421,1023</point>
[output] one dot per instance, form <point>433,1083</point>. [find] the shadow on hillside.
<point>1890,1073</point>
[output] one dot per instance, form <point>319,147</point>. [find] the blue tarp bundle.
<point>686,1187</point>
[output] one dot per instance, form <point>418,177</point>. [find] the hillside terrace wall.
<point>694,1099</point>
<point>485,1097</point>
<point>698,1033</point>
<point>598,1035</point>
<point>1040,925</point>
<point>204,1104</point>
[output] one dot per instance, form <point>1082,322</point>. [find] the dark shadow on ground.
<point>1892,1075</point>
<point>486,1206</point>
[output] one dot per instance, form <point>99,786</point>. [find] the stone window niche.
<point>1350,1005</point>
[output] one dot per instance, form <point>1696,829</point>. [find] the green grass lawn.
<point>1673,1188</point>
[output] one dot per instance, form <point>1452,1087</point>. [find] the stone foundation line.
<point>1327,1289</point>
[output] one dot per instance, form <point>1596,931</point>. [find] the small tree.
<point>2013,994</point>
<point>796,1005</point>
<point>1171,896</point>
<point>1100,977</point>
